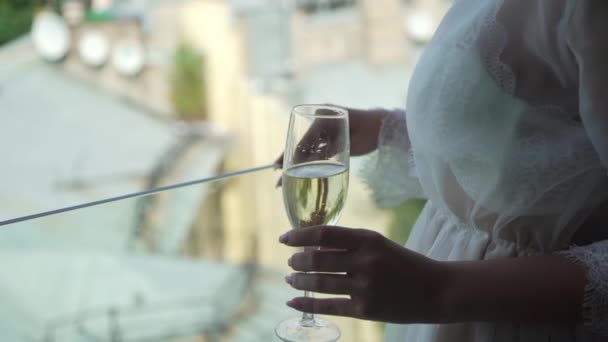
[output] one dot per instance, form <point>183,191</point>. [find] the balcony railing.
<point>157,267</point>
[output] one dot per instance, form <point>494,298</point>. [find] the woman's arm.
<point>366,128</point>
<point>388,172</point>
<point>389,283</point>
<point>543,289</point>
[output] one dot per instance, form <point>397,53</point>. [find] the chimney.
<point>101,5</point>
<point>384,38</point>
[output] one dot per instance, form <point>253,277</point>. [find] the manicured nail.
<point>284,238</point>
<point>289,279</point>
<point>294,303</point>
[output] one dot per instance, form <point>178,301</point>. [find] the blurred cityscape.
<point>101,98</point>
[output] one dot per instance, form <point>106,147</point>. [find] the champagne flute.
<point>315,185</point>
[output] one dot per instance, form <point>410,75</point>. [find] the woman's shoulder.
<point>587,28</point>
<point>589,7</point>
<point>588,17</point>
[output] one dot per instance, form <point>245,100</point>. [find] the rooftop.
<point>72,277</point>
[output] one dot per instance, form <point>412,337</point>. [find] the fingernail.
<point>289,261</point>
<point>294,304</point>
<point>283,238</point>
<point>289,279</point>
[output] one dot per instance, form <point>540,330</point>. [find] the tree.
<point>187,84</point>
<point>16,18</point>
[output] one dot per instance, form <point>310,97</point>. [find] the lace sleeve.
<point>586,37</point>
<point>594,258</point>
<point>389,172</point>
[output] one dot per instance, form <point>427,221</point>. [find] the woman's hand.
<point>385,281</point>
<point>364,130</point>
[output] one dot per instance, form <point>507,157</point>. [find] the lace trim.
<point>595,303</point>
<point>494,37</point>
<point>389,172</point>
<point>540,174</point>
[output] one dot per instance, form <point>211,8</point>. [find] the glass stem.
<point>308,319</point>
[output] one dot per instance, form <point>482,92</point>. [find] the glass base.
<point>292,330</point>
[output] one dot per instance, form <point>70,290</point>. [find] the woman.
<point>507,124</point>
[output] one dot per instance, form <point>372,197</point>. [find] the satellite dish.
<point>128,57</point>
<point>420,26</point>
<point>94,48</point>
<point>51,36</point>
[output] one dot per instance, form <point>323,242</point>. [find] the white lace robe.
<point>507,125</point>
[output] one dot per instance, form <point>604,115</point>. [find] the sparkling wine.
<point>314,193</point>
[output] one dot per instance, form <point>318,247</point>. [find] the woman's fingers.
<point>318,143</point>
<point>331,306</point>
<point>278,164</point>
<point>279,182</point>
<point>330,237</point>
<point>338,284</point>
<point>322,261</point>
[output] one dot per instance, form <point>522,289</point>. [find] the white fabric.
<point>389,171</point>
<point>595,259</point>
<point>508,123</point>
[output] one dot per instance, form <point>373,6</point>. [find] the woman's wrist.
<point>442,297</point>
<point>545,289</point>
<point>366,125</point>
